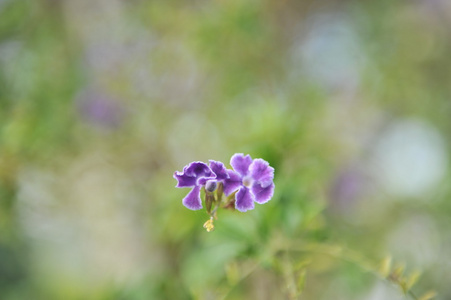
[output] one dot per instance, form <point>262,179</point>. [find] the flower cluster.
<point>250,181</point>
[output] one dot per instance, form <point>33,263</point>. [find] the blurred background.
<point>101,101</point>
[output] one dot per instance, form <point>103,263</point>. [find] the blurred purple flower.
<point>253,179</point>
<point>100,109</point>
<point>196,175</point>
<point>347,189</point>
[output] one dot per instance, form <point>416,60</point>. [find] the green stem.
<point>329,250</point>
<point>345,255</point>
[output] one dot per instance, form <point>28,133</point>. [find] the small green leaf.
<point>397,272</point>
<point>300,282</point>
<point>428,296</point>
<point>412,279</point>
<point>385,266</point>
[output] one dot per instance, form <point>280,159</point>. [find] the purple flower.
<point>219,170</point>
<point>98,108</point>
<point>196,175</point>
<point>252,178</point>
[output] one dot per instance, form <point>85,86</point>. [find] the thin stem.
<point>242,278</point>
<point>329,250</point>
<point>345,255</point>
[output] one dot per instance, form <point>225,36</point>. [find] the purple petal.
<point>262,194</point>
<point>261,172</point>
<point>244,200</point>
<point>197,169</point>
<point>241,163</point>
<point>218,168</point>
<point>183,180</point>
<point>203,180</point>
<point>196,173</point>
<point>192,200</point>
<point>232,183</point>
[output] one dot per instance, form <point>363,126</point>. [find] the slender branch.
<point>242,278</point>
<point>345,255</point>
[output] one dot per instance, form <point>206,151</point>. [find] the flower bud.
<point>209,198</point>
<point>211,185</point>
